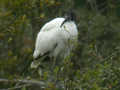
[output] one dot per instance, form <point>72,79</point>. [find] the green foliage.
<point>93,65</point>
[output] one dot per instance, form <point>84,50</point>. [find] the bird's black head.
<point>69,16</point>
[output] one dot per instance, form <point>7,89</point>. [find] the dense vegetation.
<point>93,65</point>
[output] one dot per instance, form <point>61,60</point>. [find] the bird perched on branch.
<point>57,37</point>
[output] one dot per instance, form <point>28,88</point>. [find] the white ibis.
<point>57,37</point>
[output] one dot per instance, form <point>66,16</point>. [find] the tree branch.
<point>32,82</point>
<point>17,87</point>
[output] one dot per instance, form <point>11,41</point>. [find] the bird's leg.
<point>56,69</point>
<point>54,62</point>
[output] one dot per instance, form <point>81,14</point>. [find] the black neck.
<point>70,16</point>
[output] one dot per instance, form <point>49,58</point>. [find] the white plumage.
<point>56,40</point>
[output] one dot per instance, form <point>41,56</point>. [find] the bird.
<point>57,37</point>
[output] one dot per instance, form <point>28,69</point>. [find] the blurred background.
<point>93,65</point>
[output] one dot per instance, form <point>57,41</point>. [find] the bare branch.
<point>32,82</point>
<point>17,87</point>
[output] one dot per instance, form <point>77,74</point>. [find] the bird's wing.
<point>52,24</point>
<point>45,42</point>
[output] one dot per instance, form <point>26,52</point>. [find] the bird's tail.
<point>35,54</point>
